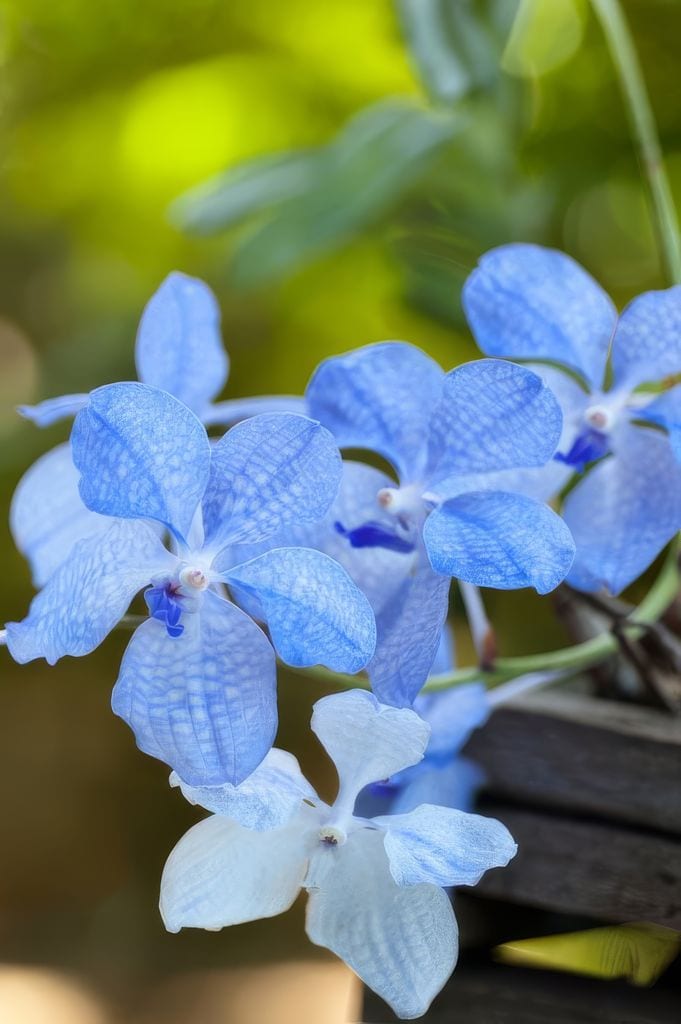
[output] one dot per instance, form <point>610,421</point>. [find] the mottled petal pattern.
<point>266,799</point>
<point>141,454</point>
<point>624,511</point>
<point>267,473</point>
<point>527,302</point>
<point>315,613</point>
<point>89,593</point>
<point>444,846</point>
<point>179,348</point>
<point>380,397</point>
<point>494,415</point>
<point>495,539</point>
<point>203,702</point>
<point>401,941</point>
<point>647,345</point>
<point>221,874</point>
<point>367,741</point>
<point>47,515</point>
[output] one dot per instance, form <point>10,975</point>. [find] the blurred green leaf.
<point>249,188</point>
<point>455,43</point>
<point>545,34</point>
<point>639,952</point>
<point>377,157</point>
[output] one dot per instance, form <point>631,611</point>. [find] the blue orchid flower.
<point>197,681</point>
<point>449,438</point>
<point>179,350</point>
<point>527,302</point>
<point>375,886</point>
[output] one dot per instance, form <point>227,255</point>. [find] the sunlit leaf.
<point>639,952</point>
<point>545,34</point>
<point>361,174</point>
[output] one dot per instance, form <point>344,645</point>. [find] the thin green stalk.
<point>644,130</point>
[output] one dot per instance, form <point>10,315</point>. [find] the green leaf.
<point>545,34</point>
<point>376,158</point>
<point>454,43</point>
<point>639,952</point>
<point>246,189</point>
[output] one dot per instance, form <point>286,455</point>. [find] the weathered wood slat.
<point>505,995</point>
<point>600,870</point>
<point>585,755</point>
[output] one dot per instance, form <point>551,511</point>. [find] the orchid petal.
<point>236,409</point>
<point>141,454</point>
<point>647,344</point>
<point>44,414</point>
<point>203,702</point>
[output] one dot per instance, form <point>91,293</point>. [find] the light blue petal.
<point>445,657</point>
<point>221,874</point>
<point>647,345</point>
<point>53,409</point>
<point>449,784</point>
<point>444,846</point>
<point>408,630</point>
<point>493,416</point>
<point>89,593</point>
<point>666,412</point>
<point>452,716</point>
<point>236,409</point>
<point>499,540</point>
<point>141,454</point>
<point>47,515</point>
<point>527,302</point>
<point>367,741</point>
<point>402,942</point>
<point>203,702</point>
<point>179,348</point>
<point>267,473</point>
<point>380,397</point>
<point>315,613</point>
<point>624,511</point>
<point>267,799</point>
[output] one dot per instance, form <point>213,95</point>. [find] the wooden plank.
<point>586,755</point>
<point>511,995</point>
<point>587,867</point>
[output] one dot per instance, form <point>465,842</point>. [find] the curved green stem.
<point>644,130</point>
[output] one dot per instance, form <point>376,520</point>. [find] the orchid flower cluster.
<point>259,541</point>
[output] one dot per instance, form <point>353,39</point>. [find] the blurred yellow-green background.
<point>109,112</point>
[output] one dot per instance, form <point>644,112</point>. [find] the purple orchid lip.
<point>374,535</point>
<point>164,604</point>
<point>588,446</point>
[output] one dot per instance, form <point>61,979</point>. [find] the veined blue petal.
<point>235,409</point>
<point>141,454</point>
<point>499,540</point>
<point>408,635</point>
<point>179,348</point>
<point>448,784</point>
<point>204,702</point>
<point>89,593</point>
<point>647,345</point>
<point>221,874</point>
<point>401,941</point>
<point>445,657</point>
<point>527,302</point>
<point>267,473</point>
<point>266,799</point>
<point>47,515</point>
<point>444,846</point>
<point>494,415</point>
<point>367,741</point>
<point>380,397</point>
<point>665,410</point>
<point>624,511</point>
<point>452,716</point>
<point>315,613</point>
<point>44,414</point>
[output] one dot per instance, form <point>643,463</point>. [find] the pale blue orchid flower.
<point>179,350</point>
<point>375,886</point>
<point>197,681</point>
<point>450,438</point>
<point>530,303</point>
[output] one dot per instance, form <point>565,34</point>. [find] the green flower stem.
<point>644,130</point>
